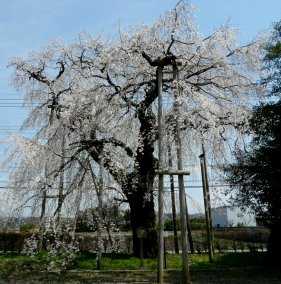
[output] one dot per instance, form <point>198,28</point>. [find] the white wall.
<point>219,217</point>
<point>237,217</point>
<point>232,217</point>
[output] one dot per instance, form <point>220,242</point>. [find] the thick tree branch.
<point>167,60</point>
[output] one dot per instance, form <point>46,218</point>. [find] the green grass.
<point>227,268</point>
<point>122,262</point>
<point>12,263</point>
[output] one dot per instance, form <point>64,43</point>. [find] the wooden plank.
<point>173,172</point>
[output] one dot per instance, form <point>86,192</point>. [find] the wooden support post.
<point>185,265</point>
<point>141,252</point>
<point>184,243</point>
<point>207,205</point>
<point>174,212</point>
<point>159,75</point>
<point>208,197</point>
<point>165,255</point>
<point>189,231</point>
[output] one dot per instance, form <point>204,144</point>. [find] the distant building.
<point>231,216</point>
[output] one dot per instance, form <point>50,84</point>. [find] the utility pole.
<point>174,212</point>
<point>159,76</point>
<point>207,204</point>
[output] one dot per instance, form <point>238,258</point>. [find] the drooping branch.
<point>99,144</point>
<point>61,71</point>
<point>38,76</point>
<point>96,148</point>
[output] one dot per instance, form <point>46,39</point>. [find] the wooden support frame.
<point>207,204</point>
<point>173,172</point>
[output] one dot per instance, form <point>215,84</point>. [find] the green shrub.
<point>28,227</point>
<point>196,224</point>
<point>168,225</point>
<point>254,235</point>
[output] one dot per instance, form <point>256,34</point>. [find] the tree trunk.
<point>143,225</point>
<point>140,189</point>
<point>137,185</point>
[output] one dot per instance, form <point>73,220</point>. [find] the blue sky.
<point>27,25</point>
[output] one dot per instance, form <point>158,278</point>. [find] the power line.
<point>12,99</point>
<point>16,106</point>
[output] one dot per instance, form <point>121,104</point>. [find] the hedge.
<point>12,241</point>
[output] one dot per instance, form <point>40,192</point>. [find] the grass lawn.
<point>126,262</point>
<point>88,261</point>
<point>228,268</point>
